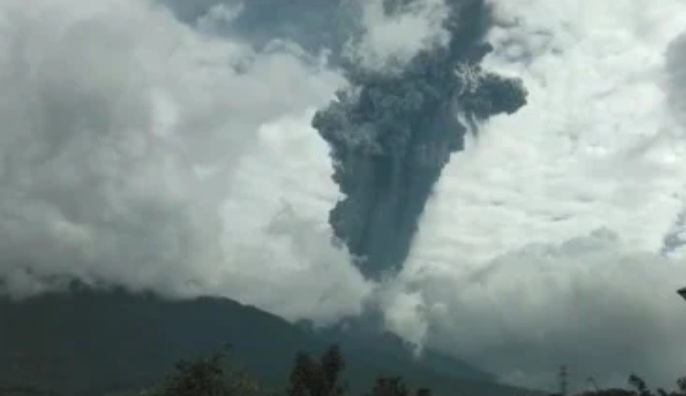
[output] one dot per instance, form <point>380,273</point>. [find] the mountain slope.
<point>91,342</point>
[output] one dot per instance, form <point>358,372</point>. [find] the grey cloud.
<point>587,303</point>
<point>315,26</point>
<point>675,84</point>
<point>675,87</point>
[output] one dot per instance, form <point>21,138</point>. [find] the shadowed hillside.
<point>96,342</point>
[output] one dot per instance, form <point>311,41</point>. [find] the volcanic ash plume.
<point>391,132</point>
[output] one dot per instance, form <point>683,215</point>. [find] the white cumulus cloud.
<point>128,137</point>
<point>509,264</point>
<point>392,37</point>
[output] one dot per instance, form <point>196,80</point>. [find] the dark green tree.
<point>207,377</point>
<point>392,386</point>
<point>639,385</point>
<point>640,388</point>
<point>681,382</point>
<point>310,377</point>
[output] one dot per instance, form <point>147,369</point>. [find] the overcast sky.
<point>167,145</point>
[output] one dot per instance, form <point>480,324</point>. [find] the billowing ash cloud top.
<point>392,132</point>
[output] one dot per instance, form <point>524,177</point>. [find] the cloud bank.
<point>591,303</point>
<point>137,150</point>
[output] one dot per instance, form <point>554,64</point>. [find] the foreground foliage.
<point>322,376</point>
<point>638,387</point>
<point>309,377</point>
<point>208,377</point>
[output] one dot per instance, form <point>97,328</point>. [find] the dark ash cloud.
<point>392,133</point>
